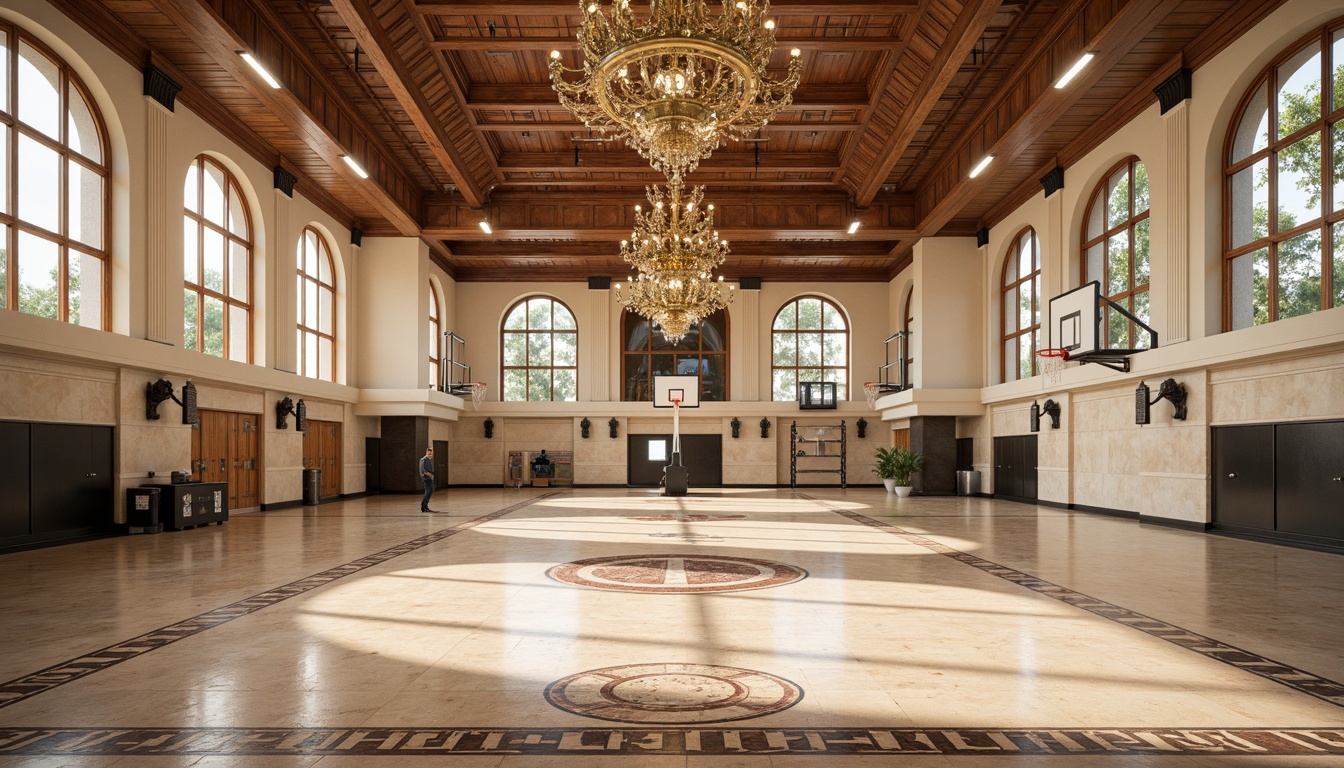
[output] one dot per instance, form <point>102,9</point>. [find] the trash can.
<point>142,510</point>
<point>312,486</point>
<point>968,482</point>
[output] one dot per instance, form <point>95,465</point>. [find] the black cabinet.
<point>14,479</point>
<point>55,482</point>
<point>1015,467</point>
<point>1282,481</point>
<point>186,505</point>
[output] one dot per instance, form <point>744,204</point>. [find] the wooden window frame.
<point>1324,123</point>
<point>907,324</point>
<point>435,339</point>
<point>230,185</point>
<point>1032,332</point>
<point>303,278</point>
<point>627,318</point>
<point>9,118</point>
<point>845,386</point>
<point>527,368</point>
<point>1126,297</point>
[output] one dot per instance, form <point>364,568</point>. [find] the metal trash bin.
<point>142,510</point>
<point>968,482</point>
<point>312,486</point>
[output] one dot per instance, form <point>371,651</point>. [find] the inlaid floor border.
<point>56,675</point>
<point>585,741</point>
<point>1325,689</point>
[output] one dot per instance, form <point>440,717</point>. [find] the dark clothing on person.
<point>427,474</point>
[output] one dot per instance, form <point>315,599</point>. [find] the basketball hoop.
<point>871,391</point>
<point>477,394</point>
<point>1052,364</point>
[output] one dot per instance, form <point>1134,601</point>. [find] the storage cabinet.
<point>1243,476</point>
<point>55,482</point>
<point>1015,467</point>
<point>822,449</point>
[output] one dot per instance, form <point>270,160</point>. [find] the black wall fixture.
<point>1035,416</point>
<point>584,426</point>
<point>161,390</point>
<point>283,409</point>
<point>736,424</point>
<point>862,424</point>
<point>1051,409</point>
<point>1168,390</point>
<point>489,425</point>
<point>301,416</point>
<point>612,426</point>
<point>765,426</point>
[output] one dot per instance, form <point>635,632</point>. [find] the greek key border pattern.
<point>56,675</point>
<point>1325,689</point>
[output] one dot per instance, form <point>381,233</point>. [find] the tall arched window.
<point>316,307</point>
<point>541,351</point>
<point>1284,187</point>
<point>1115,249</point>
<point>908,325</point>
<point>809,342</point>
<point>435,339</point>
<point>1021,318</point>
<point>702,352</point>
<point>217,263</point>
<point>53,188</point>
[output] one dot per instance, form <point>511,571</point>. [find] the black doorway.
<point>648,454</point>
<point>373,465</point>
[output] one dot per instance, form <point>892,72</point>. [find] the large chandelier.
<point>677,85</point>
<point>674,249</point>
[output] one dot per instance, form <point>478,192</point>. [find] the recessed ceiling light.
<point>981,166</point>
<point>259,69</point>
<point>1075,69</point>
<point>485,227</point>
<point>360,172</point>
<point>853,226</point>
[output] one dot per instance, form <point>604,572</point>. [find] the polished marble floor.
<point>612,627</point>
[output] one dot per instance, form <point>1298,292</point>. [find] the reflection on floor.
<point>751,628</point>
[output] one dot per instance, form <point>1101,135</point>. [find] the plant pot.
<point>890,482</point>
<point>904,490</point>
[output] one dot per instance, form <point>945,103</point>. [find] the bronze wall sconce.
<point>862,424</point>
<point>1051,409</point>
<point>286,407</point>
<point>161,390</point>
<point>584,426</point>
<point>489,425</point>
<point>1168,390</point>
<point>736,425</point>
<point>612,426</point>
<point>765,426</point>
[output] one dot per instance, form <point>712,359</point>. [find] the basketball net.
<point>871,391</point>
<point>1052,363</point>
<point>477,394</point>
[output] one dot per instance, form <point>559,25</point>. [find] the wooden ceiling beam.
<point>835,249</point>
<point>489,96</point>
<point>580,128</point>
<point>598,161</point>
<point>806,43</point>
<point>378,46</point>
<point>571,8</point>
<point>775,270</point>
<point>893,136</point>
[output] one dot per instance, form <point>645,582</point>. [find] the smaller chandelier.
<point>674,249</point>
<point>677,85</point>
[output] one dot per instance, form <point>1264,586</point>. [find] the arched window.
<point>541,351</point>
<point>1115,249</point>
<point>809,342</point>
<point>435,339</point>
<point>1021,319</point>
<point>908,325</point>
<point>217,263</point>
<point>316,307</point>
<point>703,351</point>
<point>53,188</point>
<point>1284,187</point>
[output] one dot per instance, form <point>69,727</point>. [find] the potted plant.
<point>905,463</point>
<point>885,467</point>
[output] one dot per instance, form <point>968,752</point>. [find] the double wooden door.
<point>322,450</point>
<point>226,448</point>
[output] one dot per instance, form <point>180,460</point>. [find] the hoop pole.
<point>676,427</point>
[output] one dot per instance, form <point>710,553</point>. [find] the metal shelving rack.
<point>819,445</point>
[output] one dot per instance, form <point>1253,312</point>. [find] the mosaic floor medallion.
<point>672,693</point>
<point>689,518</point>
<point>677,574</point>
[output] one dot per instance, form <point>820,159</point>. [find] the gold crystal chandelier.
<point>674,249</point>
<point>678,84</point>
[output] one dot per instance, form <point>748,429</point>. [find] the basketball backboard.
<point>1075,317</point>
<point>683,388</point>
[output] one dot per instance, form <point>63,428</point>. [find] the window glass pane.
<point>213,251</point>
<point>809,349</point>
<point>809,314</point>
<point>515,349</point>
<point>39,91</point>
<point>1010,265</point>
<point>237,213</point>
<point>1141,337</point>
<point>787,319</point>
<point>841,380</point>
<point>86,290</point>
<point>659,340</point>
<point>1010,310</point>
<point>785,385</point>
<point>1300,275</point>
<point>4,261</point>
<point>1300,182</point>
<point>325,353</point>
<point>212,198</point>
<point>239,280</point>
<point>539,315</point>
<point>1339,258</point>
<point>1140,188</point>
<point>82,129</point>
<point>191,193</point>
<point>1298,101</point>
<point>637,332</point>
<point>712,336</point>
<point>212,321</point>
<point>1117,329</point>
<point>239,334</point>
<point>1024,357</point>
<point>566,385</point>
<point>434,374</point>
<point>39,283</point>
<point>831,319</point>
<point>1095,261</point>
<point>4,73</point>
<point>564,320</point>
<point>1117,198</point>
<point>189,315</point>
<point>566,348</point>
<point>308,260</point>
<point>1009,359</point>
<point>40,182</point>
<point>539,349</point>
<point>714,381</point>
<point>84,206</point>
<point>539,384</point>
<point>1253,130</point>
<point>1117,263</point>
<point>310,304</point>
<point>309,355</point>
<point>190,249</point>
<point>1036,292</point>
<point>1337,56</point>
<point>785,349</point>
<point>4,162</point>
<point>324,262</point>
<point>1024,257</point>
<point>326,311</point>
<point>515,385</point>
<point>1141,250</point>
<point>1337,151</point>
<point>517,319</point>
<point>688,366</point>
<point>1250,289</point>
<point>1250,204</point>
<point>1096,217</point>
<point>1024,307</point>
<point>835,349</point>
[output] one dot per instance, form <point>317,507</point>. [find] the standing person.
<point>427,474</point>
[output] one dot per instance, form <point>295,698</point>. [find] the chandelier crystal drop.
<point>678,84</point>
<point>674,249</point>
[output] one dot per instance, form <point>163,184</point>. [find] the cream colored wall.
<point>948,314</point>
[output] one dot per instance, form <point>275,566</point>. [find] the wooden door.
<point>900,438</point>
<point>210,448</point>
<point>226,448</point>
<point>322,450</point>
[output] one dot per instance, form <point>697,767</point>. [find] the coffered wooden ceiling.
<point>448,104</point>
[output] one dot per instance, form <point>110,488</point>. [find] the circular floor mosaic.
<point>677,574</point>
<point>672,693</point>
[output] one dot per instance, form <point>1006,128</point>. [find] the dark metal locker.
<point>1309,487</point>
<point>14,471</point>
<point>1243,476</point>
